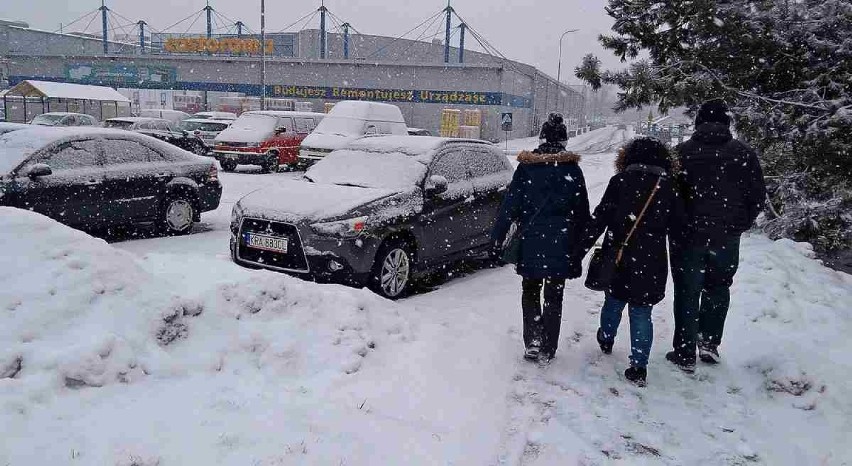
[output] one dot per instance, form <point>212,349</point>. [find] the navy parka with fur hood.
<point>552,185</point>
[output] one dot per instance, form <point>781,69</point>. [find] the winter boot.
<point>544,358</point>
<point>636,375</point>
<point>606,346</point>
<point>682,363</point>
<point>533,351</point>
<point>709,354</point>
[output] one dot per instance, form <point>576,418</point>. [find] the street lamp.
<point>559,67</point>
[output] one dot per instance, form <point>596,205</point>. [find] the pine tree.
<point>786,70</point>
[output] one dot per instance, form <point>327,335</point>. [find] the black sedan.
<point>93,178</point>
<point>162,130</point>
<point>377,213</point>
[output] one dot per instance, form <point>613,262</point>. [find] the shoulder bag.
<point>603,264</point>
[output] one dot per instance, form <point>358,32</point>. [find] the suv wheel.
<point>228,165</point>
<point>177,214</point>
<point>393,271</point>
<point>272,164</point>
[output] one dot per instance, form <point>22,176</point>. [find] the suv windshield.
<point>255,122</point>
<point>47,120</point>
<point>391,170</point>
<point>121,124</point>
<point>340,126</point>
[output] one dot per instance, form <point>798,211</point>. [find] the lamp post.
<point>559,66</point>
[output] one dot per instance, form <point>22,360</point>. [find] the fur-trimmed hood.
<point>528,157</point>
<point>644,151</point>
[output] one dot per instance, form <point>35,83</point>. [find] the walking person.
<point>722,184</point>
<point>639,208</point>
<point>554,134</point>
<point>548,204</point>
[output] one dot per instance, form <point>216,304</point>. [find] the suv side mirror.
<point>436,184</point>
<point>38,170</point>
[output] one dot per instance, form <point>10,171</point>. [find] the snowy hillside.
<point>161,352</point>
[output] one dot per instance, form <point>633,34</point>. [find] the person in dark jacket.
<point>643,167</point>
<point>724,191</point>
<point>548,203</point>
<point>554,134</point>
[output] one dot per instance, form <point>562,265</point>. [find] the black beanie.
<point>713,111</point>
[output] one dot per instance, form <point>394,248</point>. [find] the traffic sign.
<point>506,121</point>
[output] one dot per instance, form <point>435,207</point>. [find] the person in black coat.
<point>722,184</point>
<point>643,167</point>
<point>548,203</point>
<point>554,134</point>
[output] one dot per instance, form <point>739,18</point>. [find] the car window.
<point>143,125</point>
<point>303,125</point>
<point>122,151</point>
<point>87,121</point>
<point>286,122</point>
<point>481,162</point>
<point>72,155</point>
<point>450,165</point>
<point>164,125</point>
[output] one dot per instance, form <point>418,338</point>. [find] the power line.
<point>95,12</point>
<point>309,16</point>
<point>380,49</point>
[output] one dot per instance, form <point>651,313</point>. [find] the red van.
<point>269,139</point>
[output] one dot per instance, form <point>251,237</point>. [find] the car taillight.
<point>213,173</point>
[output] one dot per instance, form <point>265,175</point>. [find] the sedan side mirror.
<point>436,184</point>
<point>280,130</point>
<point>38,170</point>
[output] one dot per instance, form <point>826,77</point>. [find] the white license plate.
<point>266,243</point>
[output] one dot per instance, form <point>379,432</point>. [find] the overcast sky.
<point>525,30</point>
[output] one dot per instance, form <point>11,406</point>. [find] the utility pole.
<point>462,28</point>
<point>209,10</point>
<point>141,36</point>
<point>104,11</point>
<point>449,11</point>
<point>346,40</point>
<point>262,55</point>
<point>322,44</point>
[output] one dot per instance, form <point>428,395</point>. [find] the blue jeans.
<point>641,328</point>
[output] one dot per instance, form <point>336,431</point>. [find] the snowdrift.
<point>78,316</point>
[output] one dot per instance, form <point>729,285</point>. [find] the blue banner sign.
<point>121,75</point>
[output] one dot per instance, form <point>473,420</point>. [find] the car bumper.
<point>308,155</point>
<point>329,260</point>
<point>243,158</point>
<point>209,196</point>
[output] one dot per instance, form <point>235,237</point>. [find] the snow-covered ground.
<point>161,352</point>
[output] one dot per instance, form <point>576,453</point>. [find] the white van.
<point>348,121</point>
<point>174,116</point>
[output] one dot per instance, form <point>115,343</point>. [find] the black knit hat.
<point>713,111</point>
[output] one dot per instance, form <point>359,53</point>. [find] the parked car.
<point>377,213</point>
<point>64,119</point>
<point>419,132</point>
<point>205,129</point>
<point>90,178</point>
<point>348,121</point>
<point>269,139</point>
<point>160,129</point>
<point>214,116</point>
<point>173,116</point>
<point>8,127</point>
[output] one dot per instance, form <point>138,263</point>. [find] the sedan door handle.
<point>92,183</point>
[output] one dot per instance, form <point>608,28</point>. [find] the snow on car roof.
<point>63,113</point>
<point>138,119</point>
<point>283,113</point>
<point>208,120</point>
<point>408,145</point>
<point>16,146</point>
<point>361,110</point>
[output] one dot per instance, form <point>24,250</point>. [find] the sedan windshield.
<point>47,120</point>
<point>120,124</point>
<point>391,170</point>
<point>202,126</point>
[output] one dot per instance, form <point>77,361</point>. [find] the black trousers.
<point>542,323</point>
<point>702,276</point>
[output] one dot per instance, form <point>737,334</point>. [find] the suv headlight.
<point>236,216</point>
<point>349,228</point>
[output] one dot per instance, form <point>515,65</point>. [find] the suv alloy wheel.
<point>393,270</point>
